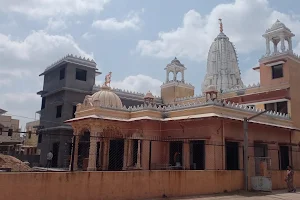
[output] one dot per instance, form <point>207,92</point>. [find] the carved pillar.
<point>129,156</point>
<point>167,76</point>
<point>174,75</point>
<point>125,154</point>
<point>105,157</point>
<point>182,74</point>
<point>268,51</point>
<point>92,154</point>
<point>275,46</point>
<point>290,44</point>
<point>138,164</point>
<point>282,43</point>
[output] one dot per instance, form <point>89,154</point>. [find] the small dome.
<point>149,95</point>
<point>107,98</point>
<point>277,25</point>
<point>211,88</point>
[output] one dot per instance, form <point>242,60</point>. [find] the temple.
<point>206,131</point>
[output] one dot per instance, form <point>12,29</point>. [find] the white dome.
<point>222,66</point>
<point>107,98</point>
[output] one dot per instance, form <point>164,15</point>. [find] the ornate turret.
<point>149,98</point>
<point>175,87</point>
<point>222,65</point>
<point>278,33</point>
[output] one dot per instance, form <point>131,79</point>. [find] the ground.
<point>278,195</point>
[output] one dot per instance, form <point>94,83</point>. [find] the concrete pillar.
<point>92,154</point>
<point>138,165</point>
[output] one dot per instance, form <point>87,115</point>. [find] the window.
<point>40,138</point>
<point>280,107</point>
<point>58,111</point>
<point>74,110</point>
<point>277,71</point>
<point>10,132</point>
<point>62,74</point>
<point>81,74</point>
<point>43,102</point>
<point>0,131</point>
<point>270,106</point>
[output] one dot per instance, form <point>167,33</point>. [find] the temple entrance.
<point>284,157</point>
<point>197,155</point>
<point>116,155</point>
<point>232,155</point>
<point>175,147</point>
<point>260,151</point>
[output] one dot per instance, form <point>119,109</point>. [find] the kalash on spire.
<point>222,70</point>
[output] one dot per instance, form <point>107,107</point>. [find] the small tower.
<point>211,93</point>
<point>149,98</point>
<point>175,67</point>
<point>175,87</point>
<point>278,33</point>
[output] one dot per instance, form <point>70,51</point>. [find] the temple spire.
<point>221,25</point>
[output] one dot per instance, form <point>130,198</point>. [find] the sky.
<point>132,38</point>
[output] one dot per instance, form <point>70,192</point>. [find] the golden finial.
<point>221,25</point>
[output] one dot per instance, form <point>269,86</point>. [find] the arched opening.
<point>171,76</point>
<point>179,76</point>
<point>83,150</point>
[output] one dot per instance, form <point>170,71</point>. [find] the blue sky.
<point>132,38</point>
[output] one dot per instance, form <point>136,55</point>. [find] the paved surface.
<point>277,195</point>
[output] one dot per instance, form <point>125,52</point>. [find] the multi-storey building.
<point>10,138</point>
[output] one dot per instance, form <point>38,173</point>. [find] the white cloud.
<point>132,21</point>
<point>47,8</point>
<point>22,61</point>
<point>56,24</point>
<point>138,83</point>
<point>36,51</point>
<point>244,22</point>
<point>88,36</point>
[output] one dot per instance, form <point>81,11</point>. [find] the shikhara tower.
<point>222,66</point>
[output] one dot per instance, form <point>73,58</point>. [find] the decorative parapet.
<point>88,105</point>
<point>242,88</point>
<point>128,92</point>
<point>277,54</point>
<point>75,59</point>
